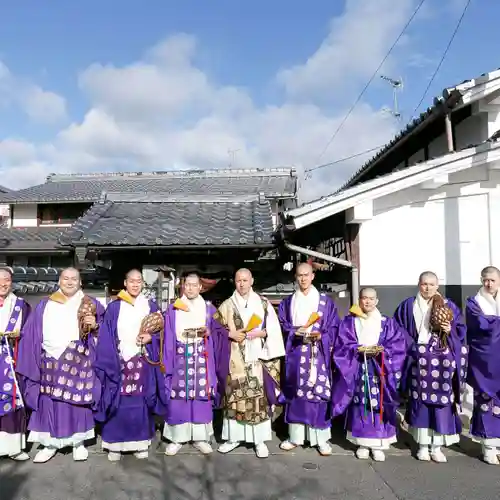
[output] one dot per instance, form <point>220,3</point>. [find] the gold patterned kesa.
<point>370,350</point>
<point>193,333</point>
<point>87,308</point>
<point>152,323</point>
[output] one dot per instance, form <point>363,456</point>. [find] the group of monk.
<point>71,364</point>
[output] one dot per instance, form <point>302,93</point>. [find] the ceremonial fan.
<point>313,336</point>
<point>372,351</point>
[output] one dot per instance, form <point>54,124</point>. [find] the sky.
<point>100,86</point>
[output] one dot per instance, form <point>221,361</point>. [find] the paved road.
<point>241,476</point>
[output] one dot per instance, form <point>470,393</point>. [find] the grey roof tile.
<point>88,188</point>
<point>30,238</point>
<point>179,223</point>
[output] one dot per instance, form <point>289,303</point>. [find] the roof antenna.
<point>232,155</point>
<point>397,86</point>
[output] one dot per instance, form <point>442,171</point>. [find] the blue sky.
<point>241,48</point>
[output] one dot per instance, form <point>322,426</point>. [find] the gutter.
<point>333,260</point>
<point>197,247</point>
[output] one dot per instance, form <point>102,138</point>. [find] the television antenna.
<point>397,86</point>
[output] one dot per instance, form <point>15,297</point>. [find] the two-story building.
<point>164,222</point>
<point>429,200</point>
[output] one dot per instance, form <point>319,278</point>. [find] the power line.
<point>445,53</point>
<point>370,80</point>
<point>355,155</point>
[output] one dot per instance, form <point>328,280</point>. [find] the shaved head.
<point>134,282</point>
<point>70,281</point>
<point>243,281</point>
<point>368,300</point>
<point>304,275</point>
<point>428,275</point>
<point>368,291</point>
<point>428,284</point>
<point>133,273</point>
<point>5,282</point>
<point>490,279</point>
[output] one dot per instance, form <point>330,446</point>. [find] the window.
<point>60,213</point>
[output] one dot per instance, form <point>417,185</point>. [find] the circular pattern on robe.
<point>130,365</point>
<point>374,391</point>
<point>203,382</point>
<point>414,383</point>
<point>303,348</point>
<point>7,386</point>
<point>463,361</point>
<point>446,374</point>
<point>484,407</point>
<point>444,400</point>
<point>12,321</point>
<point>446,363</point>
<point>182,383</point>
<point>17,308</point>
<point>434,362</point>
<point>8,360</point>
<point>203,371</point>
<point>414,394</point>
<point>421,349</point>
<point>302,359</point>
<point>128,389</point>
<point>323,367</point>
<point>319,389</point>
<point>309,395</point>
<point>202,393</point>
<point>434,398</point>
<point>327,393</point>
<point>172,394</point>
<point>423,383</point>
<point>435,373</point>
<point>435,385</point>
<point>300,393</point>
<point>136,376</point>
<point>398,375</point>
<point>182,394</point>
<point>180,350</point>
<point>190,371</point>
<point>374,403</point>
<point>423,373</point>
<point>446,387</point>
<point>422,361</point>
<point>496,410</point>
<point>453,364</point>
<point>464,350</point>
<point>424,396</point>
<point>356,399</point>
<point>191,394</point>
<point>7,407</point>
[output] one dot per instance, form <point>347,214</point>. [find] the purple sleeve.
<point>346,364</point>
<point>221,347</point>
<point>107,364</point>
<point>28,366</point>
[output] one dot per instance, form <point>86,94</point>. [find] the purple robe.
<point>193,366</point>
<point>434,377</point>
<point>483,336</point>
<point>60,393</point>
<point>352,390</point>
<point>12,416</point>
<point>129,389</point>
<point>308,405</point>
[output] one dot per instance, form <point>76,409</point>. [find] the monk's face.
<point>5,284</point>
<point>491,282</point>
<point>69,282</point>
<point>368,301</point>
<point>133,283</point>
<point>428,287</point>
<point>192,287</point>
<point>243,282</point>
<point>304,276</point>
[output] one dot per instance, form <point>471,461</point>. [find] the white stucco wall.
<point>25,215</point>
<point>450,230</point>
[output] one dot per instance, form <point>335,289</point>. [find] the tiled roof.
<point>281,183</point>
<point>30,238</point>
<point>178,223</point>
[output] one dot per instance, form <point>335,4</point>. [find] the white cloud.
<point>40,105</point>
<point>163,112</point>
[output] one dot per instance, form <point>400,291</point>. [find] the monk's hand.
<point>90,322</point>
<point>446,327</point>
<point>237,335</point>
<point>301,331</point>
<point>257,334</point>
<point>144,338</point>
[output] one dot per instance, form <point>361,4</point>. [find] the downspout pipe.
<point>333,260</point>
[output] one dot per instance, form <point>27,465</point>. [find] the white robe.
<point>255,350</point>
<point>196,317</point>
<point>422,315</point>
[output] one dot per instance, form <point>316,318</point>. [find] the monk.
<point>127,365</point>
<point>309,320</point>
<point>56,356</point>
<point>482,313</point>
<point>436,369</point>
<point>252,365</point>
<point>194,342</point>
<point>369,356</point>
<point>14,312</point>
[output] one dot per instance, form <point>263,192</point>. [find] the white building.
<point>430,200</point>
